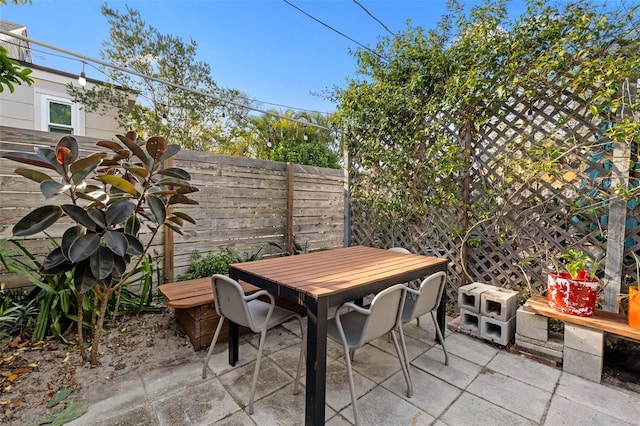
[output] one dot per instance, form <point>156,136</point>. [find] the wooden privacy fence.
<point>243,203</point>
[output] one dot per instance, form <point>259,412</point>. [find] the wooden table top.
<point>327,272</point>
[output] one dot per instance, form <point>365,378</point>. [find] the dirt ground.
<point>30,375</point>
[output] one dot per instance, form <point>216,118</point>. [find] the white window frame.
<point>41,111</point>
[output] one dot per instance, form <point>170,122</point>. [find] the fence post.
<point>347,207</point>
<point>167,245</point>
<point>289,225</point>
<point>618,209</point>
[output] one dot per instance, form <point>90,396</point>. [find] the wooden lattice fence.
<point>520,214</point>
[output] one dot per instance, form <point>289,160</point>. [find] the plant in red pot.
<point>573,287</point>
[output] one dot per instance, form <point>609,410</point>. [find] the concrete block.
<point>532,325</point>
<point>499,303</point>
<point>584,339</point>
<point>588,366</point>
<point>470,322</point>
<point>554,354</point>
<point>500,332</point>
<point>469,296</point>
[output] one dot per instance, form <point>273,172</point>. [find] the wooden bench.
<point>583,345</point>
<point>195,310</point>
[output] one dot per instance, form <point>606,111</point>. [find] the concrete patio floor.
<point>483,385</point>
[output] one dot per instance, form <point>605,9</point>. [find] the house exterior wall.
<point>26,108</point>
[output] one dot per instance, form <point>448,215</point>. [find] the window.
<point>60,117</point>
<point>55,113</point>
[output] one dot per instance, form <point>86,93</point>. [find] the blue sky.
<point>265,48</point>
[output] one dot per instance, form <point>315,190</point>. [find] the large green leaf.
<point>135,247</point>
<point>135,148</point>
<point>69,237</point>
<point>121,184</point>
<point>114,146</point>
<point>175,172</point>
<point>100,196</point>
<point>81,168</point>
<point>101,262</point>
<point>52,188</point>
<point>185,217</point>
<point>119,211</point>
<point>170,152</point>
<point>116,241</point>
<point>33,174</point>
<point>59,396</point>
<point>28,158</point>
<point>138,171</point>
<point>66,150</point>
<point>53,259</point>
<point>49,155</point>
<point>181,199</point>
<point>98,217</point>
<point>36,221</point>
<point>83,247</point>
<point>83,278</point>
<point>119,267</point>
<point>80,215</point>
<point>157,208</point>
<point>132,226</point>
<point>171,181</point>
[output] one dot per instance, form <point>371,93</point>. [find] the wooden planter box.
<point>196,313</point>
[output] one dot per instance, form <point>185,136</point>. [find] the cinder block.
<point>469,296</point>
<point>500,332</point>
<point>587,366</point>
<point>470,322</point>
<point>532,325</point>
<point>550,350</point>
<point>499,303</point>
<point>584,339</point>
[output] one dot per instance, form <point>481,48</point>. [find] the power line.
<point>374,18</point>
<point>102,72</point>
<point>335,30</point>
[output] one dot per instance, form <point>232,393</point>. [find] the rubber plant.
<point>111,196</point>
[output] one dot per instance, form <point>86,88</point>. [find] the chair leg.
<point>352,388</point>
<point>303,347</point>
<point>403,357</point>
<point>263,335</point>
<point>440,337</point>
<point>210,351</point>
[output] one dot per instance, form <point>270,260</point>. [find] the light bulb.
<point>305,137</point>
<point>268,143</point>
<point>164,120</point>
<point>82,80</point>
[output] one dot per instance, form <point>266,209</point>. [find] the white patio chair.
<point>427,298</point>
<point>359,326</point>
<point>231,303</point>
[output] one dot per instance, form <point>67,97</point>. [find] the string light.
<point>164,120</point>
<point>82,80</point>
<point>305,137</point>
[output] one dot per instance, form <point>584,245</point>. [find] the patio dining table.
<point>323,279</point>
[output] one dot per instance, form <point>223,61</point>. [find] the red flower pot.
<point>572,296</point>
<point>634,307</point>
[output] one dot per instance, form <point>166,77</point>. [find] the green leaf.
<point>72,411</point>
<point>170,152</point>
<point>79,215</point>
<point>81,168</point>
<point>132,226</point>
<point>121,184</point>
<point>175,172</point>
<point>119,211</point>
<point>49,155</point>
<point>84,247</point>
<point>36,221</point>
<point>101,263</point>
<point>28,158</point>
<point>185,217</point>
<point>135,247</point>
<point>157,208</point>
<point>117,242</point>
<point>137,170</point>
<point>170,181</point>
<point>181,199</point>
<point>83,278</point>
<point>95,196</point>
<point>119,267</point>
<point>54,259</point>
<point>59,396</point>
<point>33,174</point>
<point>69,236</point>
<point>98,217</point>
<point>135,148</point>
<point>52,188</point>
